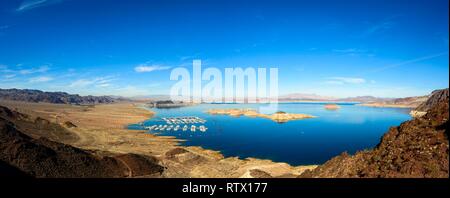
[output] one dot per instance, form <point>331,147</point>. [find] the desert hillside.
<point>41,157</point>
<point>416,148</point>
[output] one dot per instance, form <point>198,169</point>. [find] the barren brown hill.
<point>408,102</point>
<point>416,148</point>
<point>42,157</point>
<point>437,97</point>
<point>37,127</point>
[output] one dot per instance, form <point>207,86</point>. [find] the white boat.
<point>150,127</point>
<point>193,128</point>
<point>185,128</point>
<point>176,128</point>
<point>202,128</point>
<point>169,128</point>
<point>163,128</point>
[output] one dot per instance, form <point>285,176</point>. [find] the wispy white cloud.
<point>41,69</point>
<point>379,27</point>
<point>415,60</point>
<point>354,52</point>
<point>349,50</point>
<point>345,80</point>
<point>5,69</point>
<point>99,81</point>
<point>32,4</point>
<point>40,79</point>
<point>149,68</point>
<point>81,83</point>
<point>9,76</point>
<point>334,82</point>
<point>129,91</point>
<point>104,85</point>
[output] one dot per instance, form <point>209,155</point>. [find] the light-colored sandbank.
<point>413,113</point>
<point>102,128</point>
<point>387,105</point>
<point>277,117</point>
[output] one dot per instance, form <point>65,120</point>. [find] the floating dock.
<point>179,123</point>
<point>183,120</point>
<point>192,128</point>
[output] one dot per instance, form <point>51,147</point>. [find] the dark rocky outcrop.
<point>41,157</point>
<point>28,95</point>
<point>256,173</point>
<point>141,165</point>
<point>38,127</point>
<point>416,148</point>
<point>69,124</point>
<point>436,97</point>
<point>8,171</point>
<point>8,113</point>
<point>176,151</point>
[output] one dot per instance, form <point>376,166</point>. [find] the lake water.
<point>299,142</point>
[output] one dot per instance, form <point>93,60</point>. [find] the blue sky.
<point>391,48</point>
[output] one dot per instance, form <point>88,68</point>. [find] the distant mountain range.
<point>308,97</point>
<point>315,97</point>
<point>408,102</point>
<point>29,95</point>
<point>292,97</point>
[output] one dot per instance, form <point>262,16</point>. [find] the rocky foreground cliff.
<point>416,148</point>
<point>23,155</point>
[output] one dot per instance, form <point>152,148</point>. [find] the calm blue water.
<point>300,142</point>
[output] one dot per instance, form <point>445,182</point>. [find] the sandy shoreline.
<point>102,128</point>
<point>387,105</point>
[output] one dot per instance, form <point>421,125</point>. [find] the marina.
<point>187,123</point>
<point>183,120</point>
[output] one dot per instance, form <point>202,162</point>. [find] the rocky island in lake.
<point>332,107</point>
<point>279,116</point>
